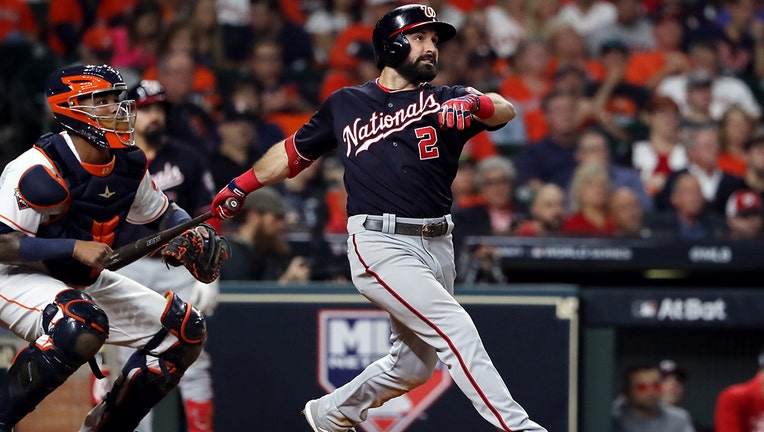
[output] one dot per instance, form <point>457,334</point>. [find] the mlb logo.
<point>350,340</point>
<point>644,309</point>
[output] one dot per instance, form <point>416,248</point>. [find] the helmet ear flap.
<point>396,49</point>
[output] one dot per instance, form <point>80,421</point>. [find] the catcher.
<point>62,204</point>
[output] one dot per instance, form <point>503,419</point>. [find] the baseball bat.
<point>136,250</point>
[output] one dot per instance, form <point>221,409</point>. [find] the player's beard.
<point>154,136</point>
<point>418,71</point>
<point>270,242</point>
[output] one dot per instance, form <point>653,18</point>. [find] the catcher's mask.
<point>75,95</point>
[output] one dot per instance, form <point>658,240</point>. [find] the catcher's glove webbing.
<point>200,249</point>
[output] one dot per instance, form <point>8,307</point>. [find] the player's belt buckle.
<point>434,230</point>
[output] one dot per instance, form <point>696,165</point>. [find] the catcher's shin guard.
<point>147,378</point>
<point>75,329</point>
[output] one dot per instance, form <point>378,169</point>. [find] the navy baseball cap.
<point>670,367</point>
<point>234,112</point>
<point>147,92</point>
<point>613,45</point>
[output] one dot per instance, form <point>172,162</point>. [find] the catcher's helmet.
<point>391,46</point>
<point>106,125</point>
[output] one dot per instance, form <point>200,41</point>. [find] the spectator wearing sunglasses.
<point>639,407</point>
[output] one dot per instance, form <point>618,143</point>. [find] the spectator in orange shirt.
<point>358,31</point>
<point>68,20</point>
<point>568,48</point>
<point>365,70</point>
<point>66,24</point>
<point>97,46</point>
<point>736,127</point>
<point>648,68</point>
<point>528,84</point>
<point>17,22</point>
<point>113,13</point>
<point>181,36</point>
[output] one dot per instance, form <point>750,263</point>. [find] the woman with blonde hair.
<point>589,195</point>
<point>736,127</point>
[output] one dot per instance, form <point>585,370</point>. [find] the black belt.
<point>428,230</point>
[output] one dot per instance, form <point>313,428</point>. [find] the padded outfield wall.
<point>275,347</point>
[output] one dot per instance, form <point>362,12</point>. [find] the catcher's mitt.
<point>200,249</point>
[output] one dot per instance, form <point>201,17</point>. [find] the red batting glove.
<point>230,200</point>
<point>457,112</point>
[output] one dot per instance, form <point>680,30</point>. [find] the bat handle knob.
<point>232,204</point>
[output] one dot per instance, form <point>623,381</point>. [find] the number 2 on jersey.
<point>428,141</point>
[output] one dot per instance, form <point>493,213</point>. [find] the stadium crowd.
<point>635,118</point>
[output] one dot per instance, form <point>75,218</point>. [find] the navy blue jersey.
<point>182,173</point>
<point>397,159</point>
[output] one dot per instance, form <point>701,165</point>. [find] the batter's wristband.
<point>33,249</point>
<point>248,182</point>
<point>485,108</point>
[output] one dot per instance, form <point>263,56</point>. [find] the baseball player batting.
<point>400,140</point>
<point>62,203</point>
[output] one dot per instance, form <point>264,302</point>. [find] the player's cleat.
<point>311,413</point>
